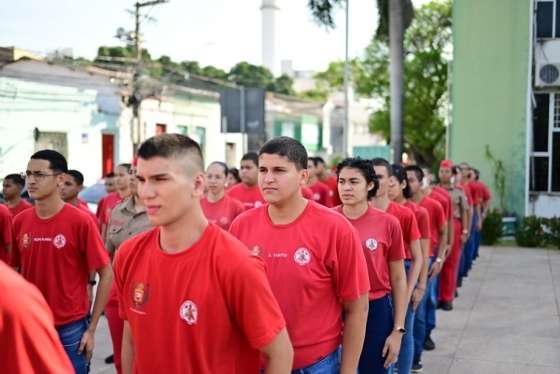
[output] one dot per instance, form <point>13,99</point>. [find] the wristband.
<point>92,282</point>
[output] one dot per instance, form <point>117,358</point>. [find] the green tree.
<point>191,67</point>
<point>283,85</point>
<point>249,75</point>
<point>427,44</point>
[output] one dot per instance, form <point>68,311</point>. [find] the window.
<point>545,156</point>
<point>548,18</point>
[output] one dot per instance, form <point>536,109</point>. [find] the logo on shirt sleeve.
<point>302,256</point>
<point>189,312</point>
<point>371,244</point>
<point>59,241</point>
<point>256,251</point>
<point>25,240</point>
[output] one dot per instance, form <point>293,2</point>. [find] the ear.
<point>370,186</point>
<point>199,183</point>
<point>304,176</point>
<point>60,179</point>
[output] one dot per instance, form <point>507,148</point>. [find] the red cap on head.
<point>135,161</point>
<point>446,164</point>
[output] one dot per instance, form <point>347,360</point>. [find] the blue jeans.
<point>424,318</point>
<point>70,336</point>
<point>378,328</point>
<point>327,365</point>
<point>404,363</point>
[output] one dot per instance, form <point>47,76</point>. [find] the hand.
<point>464,237</point>
<point>417,296</point>
<point>392,348</point>
<point>479,225</point>
<point>436,269</point>
<point>86,344</point>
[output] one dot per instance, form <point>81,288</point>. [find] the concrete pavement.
<point>505,321</point>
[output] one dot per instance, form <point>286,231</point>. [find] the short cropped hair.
<point>172,146</point>
<point>314,160</point>
<point>222,164</point>
<point>399,172</point>
<point>16,179</point>
<point>417,170</point>
<point>287,147</point>
<point>456,169</point>
<point>57,162</point>
<point>365,167</point>
<point>125,165</point>
<point>251,156</point>
<point>378,161</point>
<point>235,173</point>
<point>319,160</point>
<point>78,177</point>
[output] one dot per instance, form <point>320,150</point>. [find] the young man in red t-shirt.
<point>193,298</point>
<point>329,179</point>
<point>56,246</point>
<point>218,207</point>
<point>5,233</point>
<point>314,259</point>
<point>321,192</point>
<point>69,190</point>
<point>248,191</point>
<point>29,343</point>
<point>11,189</point>
<point>382,244</point>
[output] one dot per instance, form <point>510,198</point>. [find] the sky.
<point>213,32</point>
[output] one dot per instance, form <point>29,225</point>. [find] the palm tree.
<point>394,18</point>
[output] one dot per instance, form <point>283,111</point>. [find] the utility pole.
<point>139,132</point>
<point>346,128</point>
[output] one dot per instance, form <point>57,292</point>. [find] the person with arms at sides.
<point>71,186</point>
<point>416,258</point>
<point>190,284</point>
<point>248,191</point>
<point>449,272</point>
<point>485,199</point>
<point>12,187</point>
<point>128,219</point>
<point>424,318</point>
<point>111,189</point>
<point>218,207</point>
<point>321,193</point>
<point>56,246</point>
<point>233,177</point>
<point>329,179</point>
<point>381,239</point>
<point>122,186</point>
<point>28,341</point>
<point>464,179</point>
<point>5,233</point>
<point>314,261</point>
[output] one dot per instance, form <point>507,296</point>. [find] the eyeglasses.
<point>37,175</point>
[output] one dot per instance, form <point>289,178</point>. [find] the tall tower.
<point>269,11</point>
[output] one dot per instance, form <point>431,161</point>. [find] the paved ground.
<point>506,320</point>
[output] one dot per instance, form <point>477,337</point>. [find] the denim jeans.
<point>424,318</point>
<point>378,328</point>
<point>404,364</point>
<point>70,336</point>
<point>328,365</point>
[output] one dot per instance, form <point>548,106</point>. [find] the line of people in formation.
<point>281,267</point>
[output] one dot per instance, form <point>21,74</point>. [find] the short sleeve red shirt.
<point>321,193</point>
<point>56,255</point>
<point>23,205</point>
<point>29,343</point>
<point>207,309</point>
<point>437,220</point>
<point>422,218</point>
<point>381,239</point>
<point>468,192</point>
<point>223,211</point>
<point>332,183</point>
<point>251,197</point>
<point>485,192</point>
<point>442,196</point>
<point>307,193</point>
<point>84,208</point>
<point>313,264</point>
<point>106,206</point>
<point>409,226</point>
<point>5,232</point>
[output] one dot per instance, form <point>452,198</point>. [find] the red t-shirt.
<point>251,197</point>
<point>484,191</point>
<point>437,220</point>
<point>313,265</point>
<point>480,192</point>
<point>22,205</point>
<point>223,211</point>
<point>307,193</point>
<point>381,237</point>
<point>56,255</point>
<point>85,208</point>
<point>321,193</point>
<point>332,183</point>
<point>105,207</point>
<point>207,309</point>
<point>467,189</point>
<point>5,232</point>
<point>422,218</point>
<point>408,223</point>
<point>442,196</point>
<point>29,342</point>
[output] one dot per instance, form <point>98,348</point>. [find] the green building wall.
<point>490,82</point>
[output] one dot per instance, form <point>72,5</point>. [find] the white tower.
<point>269,9</point>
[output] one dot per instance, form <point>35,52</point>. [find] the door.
<point>108,152</point>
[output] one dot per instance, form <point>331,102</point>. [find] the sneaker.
<point>417,368</point>
<point>429,344</point>
<point>110,359</point>
<point>446,305</point>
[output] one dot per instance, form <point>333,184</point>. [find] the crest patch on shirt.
<point>189,312</point>
<point>371,244</point>
<point>59,241</point>
<point>302,256</point>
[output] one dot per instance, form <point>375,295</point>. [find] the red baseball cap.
<point>446,164</point>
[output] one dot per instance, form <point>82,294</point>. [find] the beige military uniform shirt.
<point>125,223</point>
<point>460,202</point>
